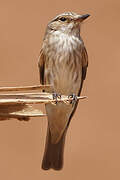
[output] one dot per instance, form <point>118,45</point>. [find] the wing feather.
<point>41,65</point>
<point>84,62</point>
<point>84,71</point>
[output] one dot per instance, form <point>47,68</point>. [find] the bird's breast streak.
<point>64,67</point>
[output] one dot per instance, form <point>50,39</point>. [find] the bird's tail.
<point>53,155</point>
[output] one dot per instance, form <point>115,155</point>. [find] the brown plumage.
<point>63,63</point>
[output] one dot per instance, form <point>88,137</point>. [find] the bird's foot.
<point>73,98</point>
<point>56,96</point>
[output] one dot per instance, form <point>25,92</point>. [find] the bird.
<point>63,62</point>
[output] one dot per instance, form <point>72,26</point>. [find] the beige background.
<point>92,149</point>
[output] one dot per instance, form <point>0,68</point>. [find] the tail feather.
<point>53,155</point>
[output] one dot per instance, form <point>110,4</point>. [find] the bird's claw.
<point>56,96</point>
<point>73,98</point>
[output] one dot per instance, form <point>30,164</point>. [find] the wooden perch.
<point>20,104</point>
<point>25,88</point>
<point>20,112</point>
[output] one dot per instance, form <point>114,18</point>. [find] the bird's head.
<point>68,22</point>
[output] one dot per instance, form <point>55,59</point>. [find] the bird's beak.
<point>81,18</point>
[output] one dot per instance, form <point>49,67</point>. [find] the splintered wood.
<point>19,104</point>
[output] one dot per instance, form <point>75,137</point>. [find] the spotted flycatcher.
<point>63,63</point>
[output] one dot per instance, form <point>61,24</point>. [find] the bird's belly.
<point>64,79</point>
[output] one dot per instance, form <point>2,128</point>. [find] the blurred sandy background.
<point>92,150</point>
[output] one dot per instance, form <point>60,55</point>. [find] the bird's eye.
<point>63,19</point>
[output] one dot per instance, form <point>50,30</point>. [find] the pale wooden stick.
<point>21,112</point>
<point>24,88</point>
<point>33,100</point>
<point>26,94</point>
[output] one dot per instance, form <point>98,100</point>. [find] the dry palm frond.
<point>20,104</point>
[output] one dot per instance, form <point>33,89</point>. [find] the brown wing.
<point>41,65</point>
<point>84,62</point>
<point>84,71</point>
<point>84,66</point>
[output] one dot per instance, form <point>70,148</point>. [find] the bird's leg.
<point>73,97</point>
<point>56,96</point>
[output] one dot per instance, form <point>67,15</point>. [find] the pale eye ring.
<point>63,19</point>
